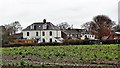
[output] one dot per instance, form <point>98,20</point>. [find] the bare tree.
<point>64,25</point>
<point>100,26</point>
<point>8,30</point>
<point>12,28</point>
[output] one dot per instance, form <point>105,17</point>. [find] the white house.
<point>43,32</point>
<point>88,36</point>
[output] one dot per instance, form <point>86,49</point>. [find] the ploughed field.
<point>76,55</point>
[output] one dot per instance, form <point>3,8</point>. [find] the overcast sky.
<point>74,12</point>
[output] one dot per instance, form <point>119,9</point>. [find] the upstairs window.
<point>27,33</point>
<point>43,33</point>
<point>50,33</point>
<point>45,26</point>
<point>31,27</point>
<point>36,33</point>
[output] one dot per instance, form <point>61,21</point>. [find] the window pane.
<point>50,39</point>
<point>43,40</point>
<point>36,33</point>
<point>50,33</point>
<point>34,27</point>
<point>43,33</point>
<point>27,33</point>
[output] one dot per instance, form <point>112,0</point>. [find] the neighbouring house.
<point>73,34</point>
<point>43,32</point>
<point>17,36</point>
<point>114,36</point>
<point>117,35</point>
<point>88,36</point>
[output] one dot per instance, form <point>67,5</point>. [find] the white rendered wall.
<point>55,33</point>
<point>32,35</point>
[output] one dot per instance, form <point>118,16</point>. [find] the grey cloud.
<point>74,12</point>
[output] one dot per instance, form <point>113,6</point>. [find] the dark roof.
<point>18,35</point>
<point>41,26</point>
<point>70,31</point>
<point>82,31</point>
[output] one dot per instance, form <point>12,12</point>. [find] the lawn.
<point>61,55</point>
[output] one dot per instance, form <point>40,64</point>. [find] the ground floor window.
<point>43,40</point>
<point>50,39</point>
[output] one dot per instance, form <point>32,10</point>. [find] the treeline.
<point>7,31</point>
<point>100,26</point>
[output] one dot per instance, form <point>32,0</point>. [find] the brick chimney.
<point>44,21</point>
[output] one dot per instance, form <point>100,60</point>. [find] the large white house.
<point>43,32</point>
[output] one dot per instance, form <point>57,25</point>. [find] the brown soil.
<point>37,60</point>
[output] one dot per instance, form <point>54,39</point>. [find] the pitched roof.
<point>18,35</point>
<point>41,26</point>
<point>71,31</point>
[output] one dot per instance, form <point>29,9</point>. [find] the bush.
<point>72,42</point>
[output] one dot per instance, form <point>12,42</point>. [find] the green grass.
<point>74,54</point>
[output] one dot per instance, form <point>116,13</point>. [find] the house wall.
<point>55,33</point>
<point>66,36</point>
<point>89,36</point>
<point>32,35</point>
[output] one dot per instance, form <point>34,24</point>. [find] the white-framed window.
<point>27,33</point>
<point>50,39</point>
<point>50,33</point>
<point>43,40</point>
<point>36,33</point>
<point>43,33</point>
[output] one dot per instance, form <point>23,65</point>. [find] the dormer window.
<point>45,26</point>
<point>34,27</point>
<point>31,27</point>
